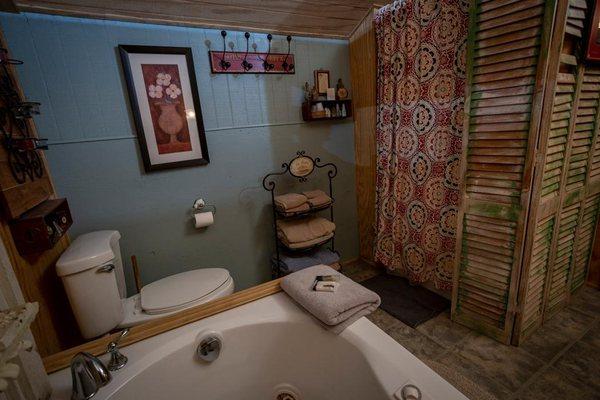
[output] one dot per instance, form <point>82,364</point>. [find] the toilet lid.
<point>179,290</point>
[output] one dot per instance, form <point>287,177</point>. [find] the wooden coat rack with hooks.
<point>251,62</point>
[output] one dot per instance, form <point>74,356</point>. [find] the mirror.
<point>252,125</point>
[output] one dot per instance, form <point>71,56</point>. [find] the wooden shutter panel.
<point>533,306</point>
<point>558,135</point>
<point>506,66</point>
<point>561,264</point>
<point>586,230</point>
<point>585,127</point>
<point>576,17</point>
<point>549,173</point>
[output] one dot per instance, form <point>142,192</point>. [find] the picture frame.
<point>322,81</point>
<point>163,94</point>
<point>592,52</point>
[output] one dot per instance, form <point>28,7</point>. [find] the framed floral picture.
<point>166,108</point>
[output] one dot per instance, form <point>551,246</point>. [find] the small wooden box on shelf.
<point>40,228</point>
<point>309,115</point>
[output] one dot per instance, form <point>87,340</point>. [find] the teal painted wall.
<point>253,124</point>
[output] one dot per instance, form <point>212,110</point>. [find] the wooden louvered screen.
<point>561,264</point>
<point>530,207</point>
<point>533,303</point>
<point>506,50</point>
<point>585,236</point>
<point>584,129</point>
<point>576,17</point>
<point>558,135</point>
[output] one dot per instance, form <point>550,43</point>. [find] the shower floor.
<point>561,359</point>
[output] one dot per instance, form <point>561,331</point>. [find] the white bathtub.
<point>269,345</point>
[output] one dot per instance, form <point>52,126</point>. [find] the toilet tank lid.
<point>87,251</point>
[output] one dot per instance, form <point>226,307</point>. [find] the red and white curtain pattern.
<point>421,71</point>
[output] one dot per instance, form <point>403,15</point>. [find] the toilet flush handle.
<point>106,268</point>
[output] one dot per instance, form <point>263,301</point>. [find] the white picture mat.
<point>135,61</point>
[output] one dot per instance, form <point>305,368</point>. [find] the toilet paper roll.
<point>203,219</point>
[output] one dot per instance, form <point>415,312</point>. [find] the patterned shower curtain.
<point>421,68</point>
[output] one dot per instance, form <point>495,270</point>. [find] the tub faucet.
<point>89,375</point>
<point>117,360</point>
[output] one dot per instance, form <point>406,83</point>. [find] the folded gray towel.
<point>290,263</point>
<point>326,256</point>
<point>336,310</point>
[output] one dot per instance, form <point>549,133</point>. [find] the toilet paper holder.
<point>200,206</point>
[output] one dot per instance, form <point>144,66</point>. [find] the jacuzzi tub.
<point>270,347</point>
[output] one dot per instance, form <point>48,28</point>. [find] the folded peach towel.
<point>290,200</point>
<point>314,193</point>
<point>307,243</point>
<point>334,310</point>
<point>302,230</point>
<point>317,198</point>
<point>301,208</point>
<point>319,201</point>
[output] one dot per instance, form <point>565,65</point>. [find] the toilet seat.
<point>178,291</point>
<point>192,289</point>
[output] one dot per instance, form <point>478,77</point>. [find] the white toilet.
<point>92,272</point>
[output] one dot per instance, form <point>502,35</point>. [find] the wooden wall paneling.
<point>363,71</point>
<point>507,53</point>
<point>559,89</point>
<point>54,328</point>
<point>295,17</point>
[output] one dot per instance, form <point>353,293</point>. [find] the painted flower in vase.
<point>168,108</point>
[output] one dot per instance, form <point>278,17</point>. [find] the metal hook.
<point>245,64</point>
<point>287,67</point>
<point>266,65</point>
<point>224,64</point>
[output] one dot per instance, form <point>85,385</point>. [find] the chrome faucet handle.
<point>117,360</point>
<point>89,375</point>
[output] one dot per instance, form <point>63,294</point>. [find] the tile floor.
<point>560,361</point>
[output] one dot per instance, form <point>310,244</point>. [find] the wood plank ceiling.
<point>324,18</point>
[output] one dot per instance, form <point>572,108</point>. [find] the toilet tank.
<point>92,273</point>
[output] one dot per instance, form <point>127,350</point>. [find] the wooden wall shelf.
<point>308,116</point>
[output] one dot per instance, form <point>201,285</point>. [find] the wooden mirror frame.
<point>155,327</point>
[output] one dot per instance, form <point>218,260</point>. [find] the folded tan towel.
<point>302,230</point>
<point>290,200</point>
<point>319,201</point>
<point>314,193</point>
<point>335,310</point>
<point>307,243</point>
<point>301,208</point>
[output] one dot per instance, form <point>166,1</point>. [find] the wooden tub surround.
<point>137,333</point>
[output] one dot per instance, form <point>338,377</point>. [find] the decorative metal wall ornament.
<point>243,62</point>
<point>300,167</point>
<point>22,147</point>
